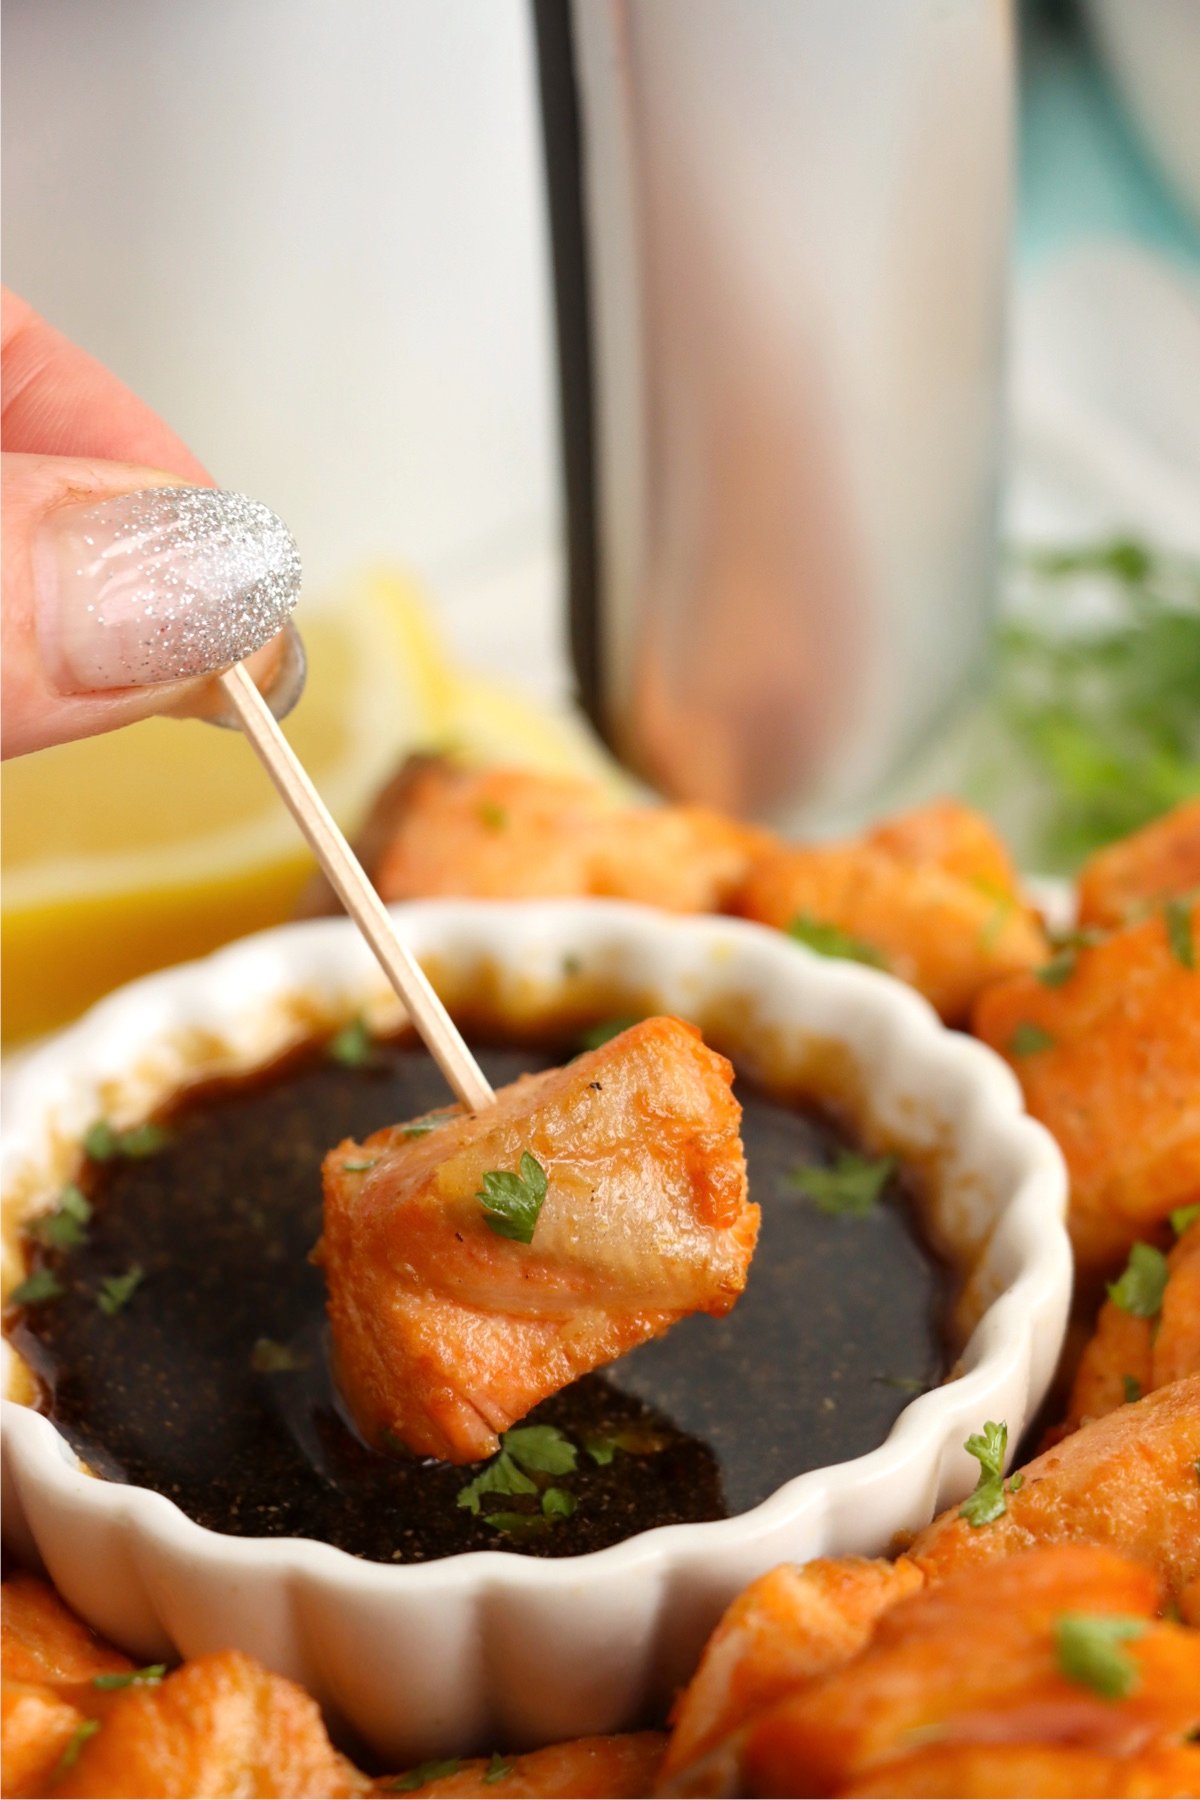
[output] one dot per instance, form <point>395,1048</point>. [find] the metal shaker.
<point>779,232</point>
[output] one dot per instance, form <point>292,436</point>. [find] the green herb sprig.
<point>1090,1650</point>
<point>423,1774</point>
<point>850,1188</point>
<point>830,940</point>
<point>105,1144</point>
<point>1140,1289</point>
<point>66,1227</point>
<point>150,1676</point>
<point>512,1203</point>
<point>987,1502</point>
<point>37,1289</point>
<point>116,1291</point>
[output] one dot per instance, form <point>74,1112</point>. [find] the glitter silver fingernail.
<point>160,585</point>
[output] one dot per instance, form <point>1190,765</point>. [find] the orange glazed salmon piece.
<point>446,1330</point>
<point>1038,1771</point>
<point>789,1626</point>
<point>931,897</point>
<point>976,1659</point>
<point>617,1768</point>
<point>219,1726</point>
<point>439,829</point>
<point>1109,1060</point>
<point>41,1640</point>
<point>1128,1356</point>
<point>1127,1480</point>
<point>1160,862</point>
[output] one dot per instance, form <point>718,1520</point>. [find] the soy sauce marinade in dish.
<point>181,1342</point>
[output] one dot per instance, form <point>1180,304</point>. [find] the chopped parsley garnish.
<point>1016,1482</point>
<point>1140,1289</point>
<point>420,1127</point>
<point>850,1187</point>
<point>73,1749</point>
<point>1184,1217</point>
<point>1177,915</point>
<point>542,1449</point>
<point>518,1524</point>
<point>493,815</point>
<point>511,1202</point>
<point>150,1676</point>
<point>358,1168</point>
<point>270,1358</point>
<point>1132,1387</point>
<point>634,1441</point>
<point>1028,1039</point>
<point>572,965</point>
<point>525,1451</point>
<point>831,940</point>
<point>423,1774</point>
<point>601,1450</point>
<point>353,1046</point>
<point>103,1143</point>
<point>116,1291</point>
<point>1091,1651</point>
<point>497,1769</point>
<point>66,1227</point>
<point>987,1502</point>
<point>607,1029</point>
<point>1059,969</point>
<point>37,1288</point>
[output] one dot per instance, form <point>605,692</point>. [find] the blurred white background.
<point>312,236</point>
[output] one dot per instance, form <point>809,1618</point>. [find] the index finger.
<point>59,401</point>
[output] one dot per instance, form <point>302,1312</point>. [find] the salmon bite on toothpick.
<point>478,1262</point>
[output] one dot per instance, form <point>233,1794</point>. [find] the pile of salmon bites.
<point>1041,1639</point>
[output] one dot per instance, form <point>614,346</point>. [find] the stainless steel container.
<point>780,232</point>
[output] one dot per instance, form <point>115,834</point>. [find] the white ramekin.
<point>492,1648</point>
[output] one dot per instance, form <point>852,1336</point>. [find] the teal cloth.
<point>1083,170</point>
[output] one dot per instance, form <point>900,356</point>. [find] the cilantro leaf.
<point>74,1746</point>
<point>557,1503</point>
<point>1028,1039</point>
<point>987,1501</point>
<point>500,1477</point>
<point>103,1143</point>
<point>423,1774</point>
<point>360,1167</point>
<point>116,1291</point>
<point>607,1029</point>
<point>1059,969</point>
<point>493,815</point>
<point>830,940</point>
<point>511,1202</point>
<point>1184,1217</point>
<point>1089,1649</point>
<point>37,1288</point>
<point>497,1769</point>
<point>66,1227</point>
<point>851,1187</point>
<point>1132,1387</point>
<point>518,1524</point>
<point>150,1676</point>
<point>1140,1288</point>
<point>420,1127</point>
<point>1177,916</point>
<point>353,1046</point>
<point>541,1449</point>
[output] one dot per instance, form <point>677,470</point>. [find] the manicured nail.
<point>160,585</point>
<point>281,694</point>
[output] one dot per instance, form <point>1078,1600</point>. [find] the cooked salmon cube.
<point>441,829</point>
<point>1109,1059</point>
<point>1131,1353</point>
<point>947,937</point>
<point>476,1268</point>
<point>947,835</point>
<point>977,1659</point>
<point>220,1725</point>
<point>618,1768</point>
<point>36,1726</point>
<point>786,1628</point>
<point>1037,1771</point>
<point>1127,1479</point>
<point>42,1641</point>
<point>1159,863</point>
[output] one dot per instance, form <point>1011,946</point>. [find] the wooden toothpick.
<point>438,1031</point>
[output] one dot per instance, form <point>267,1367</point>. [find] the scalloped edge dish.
<point>491,1646</point>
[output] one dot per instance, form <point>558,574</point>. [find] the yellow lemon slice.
<point>155,844</point>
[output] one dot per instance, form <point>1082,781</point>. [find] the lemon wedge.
<point>157,843</point>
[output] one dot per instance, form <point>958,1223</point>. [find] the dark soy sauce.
<point>841,1322</point>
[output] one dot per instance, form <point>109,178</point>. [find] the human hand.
<point>124,590</point>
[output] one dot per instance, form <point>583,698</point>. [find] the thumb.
<point>123,591</point>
